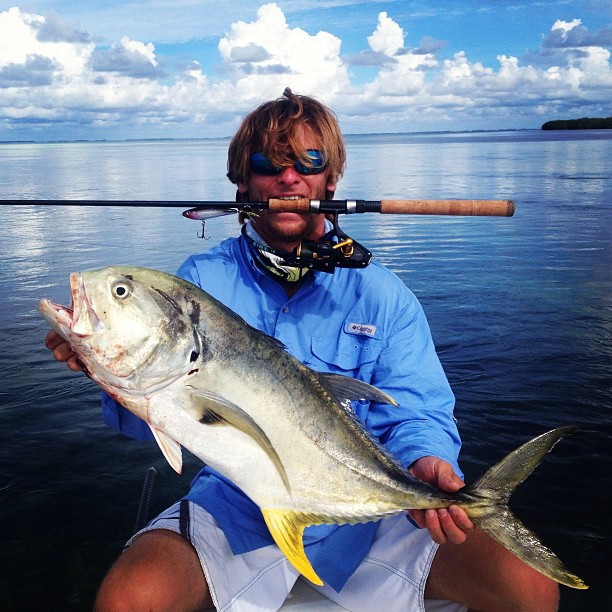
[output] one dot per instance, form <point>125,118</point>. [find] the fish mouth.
<point>84,319</point>
<point>57,316</point>
<point>78,319</point>
<point>61,315</point>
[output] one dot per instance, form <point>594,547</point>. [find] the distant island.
<point>586,123</point>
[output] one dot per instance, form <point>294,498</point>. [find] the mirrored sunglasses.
<point>261,164</point>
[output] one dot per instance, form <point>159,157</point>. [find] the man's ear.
<point>242,193</point>
<point>330,190</point>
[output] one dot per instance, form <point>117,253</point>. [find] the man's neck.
<point>291,288</point>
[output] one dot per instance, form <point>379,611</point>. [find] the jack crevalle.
<point>202,378</point>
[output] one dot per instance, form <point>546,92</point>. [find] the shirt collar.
<point>269,260</point>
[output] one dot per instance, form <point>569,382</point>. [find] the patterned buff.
<point>272,261</point>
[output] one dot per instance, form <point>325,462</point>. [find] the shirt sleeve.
<point>189,271</point>
<point>119,418</point>
<point>409,370</point>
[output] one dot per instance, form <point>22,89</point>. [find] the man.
<point>213,548</point>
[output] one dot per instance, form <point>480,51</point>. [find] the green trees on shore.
<point>586,123</point>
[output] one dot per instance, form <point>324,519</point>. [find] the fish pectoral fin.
<point>170,448</point>
<point>344,388</point>
<point>215,410</point>
<point>287,529</point>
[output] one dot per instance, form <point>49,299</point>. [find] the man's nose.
<point>289,175</point>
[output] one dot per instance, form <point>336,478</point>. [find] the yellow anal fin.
<point>287,528</point>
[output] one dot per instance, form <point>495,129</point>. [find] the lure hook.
<point>202,235</point>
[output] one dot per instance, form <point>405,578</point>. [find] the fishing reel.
<point>335,250</point>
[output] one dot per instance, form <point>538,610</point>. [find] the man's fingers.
<point>52,340</point>
<point>418,516</point>
<point>452,532</point>
<point>433,525</point>
<point>62,351</point>
<point>460,518</point>
<point>444,525</point>
<point>74,364</point>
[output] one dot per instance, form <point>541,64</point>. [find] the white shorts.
<point>392,575</point>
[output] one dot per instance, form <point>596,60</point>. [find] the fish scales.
<point>251,360</point>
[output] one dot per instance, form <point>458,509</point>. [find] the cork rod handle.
<point>495,208</point>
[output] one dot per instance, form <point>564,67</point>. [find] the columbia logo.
<point>364,329</point>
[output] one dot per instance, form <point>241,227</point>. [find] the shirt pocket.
<point>347,354</point>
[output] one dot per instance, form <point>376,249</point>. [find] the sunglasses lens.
<point>317,163</point>
<point>260,164</point>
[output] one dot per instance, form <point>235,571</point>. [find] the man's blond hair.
<point>274,129</point>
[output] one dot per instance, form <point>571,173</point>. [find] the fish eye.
<point>121,289</point>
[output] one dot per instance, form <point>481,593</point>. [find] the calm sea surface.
<point>520,309</point>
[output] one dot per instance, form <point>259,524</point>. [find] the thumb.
<point>447,479</point>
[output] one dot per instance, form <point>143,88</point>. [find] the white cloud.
<point>22,35</point>
<point>565,26</point>
<point>388,38</point>
<point>52,73</point>
<point>267,54</point>
<point>129,57</point>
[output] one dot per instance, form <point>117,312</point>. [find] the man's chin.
<point>279,219</point>
<point>287,228</point>
<point>286,222</point>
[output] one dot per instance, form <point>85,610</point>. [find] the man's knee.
<point>483,575</point>
<point>540,592</point>
<point>123,591</point>
<point>159,571</point>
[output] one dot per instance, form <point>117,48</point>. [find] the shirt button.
<point>285,309</point>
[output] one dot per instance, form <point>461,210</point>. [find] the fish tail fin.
<point>287,529</point>
<point>494,516</point>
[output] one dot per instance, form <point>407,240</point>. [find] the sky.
<point>109,69</point>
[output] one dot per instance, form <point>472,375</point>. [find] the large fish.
<point>202,378</point>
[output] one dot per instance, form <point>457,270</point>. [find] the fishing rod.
<point>496,208</point>
<point>336,249</point>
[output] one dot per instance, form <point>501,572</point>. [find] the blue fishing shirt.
<point>363,323</point>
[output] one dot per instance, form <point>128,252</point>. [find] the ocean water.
<point>520,310</point>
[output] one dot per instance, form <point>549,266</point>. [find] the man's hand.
<point>444,525</point>
<point>62,351</point>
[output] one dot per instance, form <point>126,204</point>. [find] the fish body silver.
<point>204,379</point>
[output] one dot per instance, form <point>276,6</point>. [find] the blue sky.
<point>192,68</point>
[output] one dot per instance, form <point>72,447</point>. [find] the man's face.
<point>286,230</point>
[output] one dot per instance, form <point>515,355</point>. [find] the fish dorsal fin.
<point>345,388</point>
<point>169,447</point>
<point>287,529</point>
<point>213,409</point>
